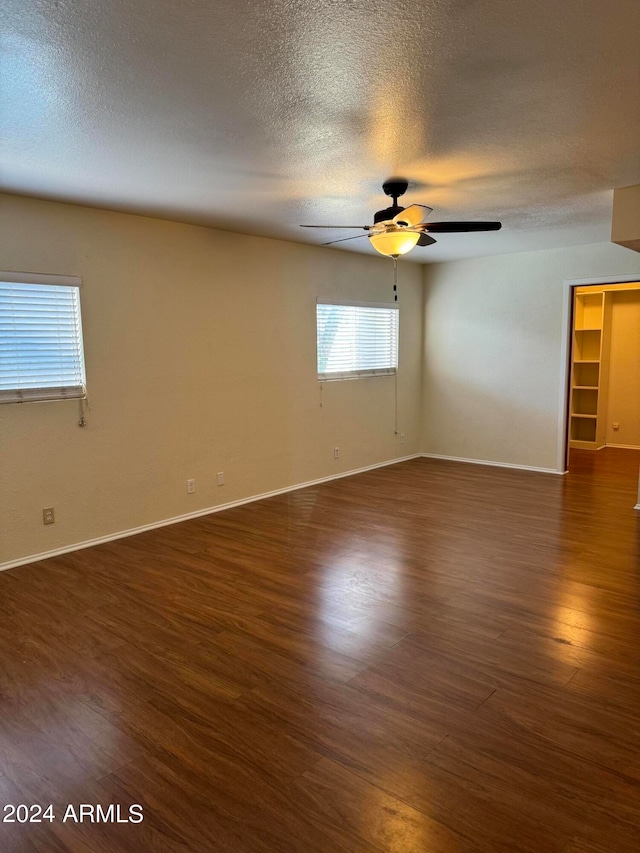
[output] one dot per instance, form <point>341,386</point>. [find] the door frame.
<point>562,459</point>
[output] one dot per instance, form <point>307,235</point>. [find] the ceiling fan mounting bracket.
<point>395,187</point>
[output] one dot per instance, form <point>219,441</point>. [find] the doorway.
<point>603,409</point>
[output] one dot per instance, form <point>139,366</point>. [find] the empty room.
<point>320,427</point>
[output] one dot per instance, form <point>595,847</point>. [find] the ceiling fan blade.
<point>345,227</point>
<point>344,239</point>
<point>425,240</point>
<point>457,227</point>
<point>413,215</point>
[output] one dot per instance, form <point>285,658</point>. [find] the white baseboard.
<point>623,446</point>
<point>165,522</point>
<point>493,464</point>
<point>637,506</point>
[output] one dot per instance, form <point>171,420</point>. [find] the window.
<point>356,339</point>
<point>41,355</point>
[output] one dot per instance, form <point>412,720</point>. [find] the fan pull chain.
<point>395,279</point>
<point>395,299</point>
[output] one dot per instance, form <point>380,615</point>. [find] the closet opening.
<point>603,414</point>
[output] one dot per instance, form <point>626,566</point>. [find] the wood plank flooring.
<point>427,658</point>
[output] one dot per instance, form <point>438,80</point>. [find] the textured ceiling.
<point>258,116</point>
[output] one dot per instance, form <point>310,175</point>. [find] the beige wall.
<point>623,399</point>
<point>200,354</point>
<point>493,351</point>
<point>200,349</point>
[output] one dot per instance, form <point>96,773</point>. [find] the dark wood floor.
<point>428,657</point>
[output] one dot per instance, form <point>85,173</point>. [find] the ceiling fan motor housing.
<point>387,213</point>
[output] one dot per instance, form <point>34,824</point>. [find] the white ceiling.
<point>258,116</point>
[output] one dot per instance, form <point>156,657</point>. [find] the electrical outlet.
<point>616,426</point>
<point>401,438</point>
<point>220,478</point>
<point>48,515</point>
<point>191,486</point>
<point>336,453</point>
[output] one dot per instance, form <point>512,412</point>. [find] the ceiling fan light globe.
<point>394,242</point>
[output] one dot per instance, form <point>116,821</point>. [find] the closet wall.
<point>494,367</point>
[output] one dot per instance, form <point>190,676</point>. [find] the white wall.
<point>493,351</point>
<point>623,398</point>
<point>200,353</point>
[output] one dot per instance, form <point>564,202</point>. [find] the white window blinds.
<point>41,354</point>
<point>356,339</point>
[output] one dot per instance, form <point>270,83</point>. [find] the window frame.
<point>365,372</point>
<point>58,392</point>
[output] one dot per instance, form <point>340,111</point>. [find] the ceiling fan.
<point>396,230</point>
